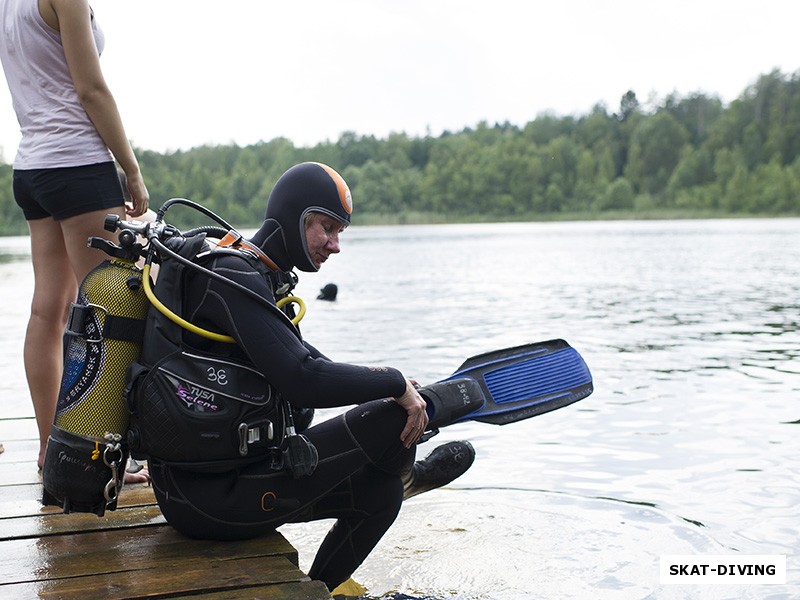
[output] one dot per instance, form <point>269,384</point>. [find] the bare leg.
<point>54,288</point>
<point>77,230</point>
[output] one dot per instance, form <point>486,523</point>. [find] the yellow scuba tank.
<point>87,451</point>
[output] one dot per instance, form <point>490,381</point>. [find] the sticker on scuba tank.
<point>83,361</point>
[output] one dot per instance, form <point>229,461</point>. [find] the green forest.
<point>688,156</point>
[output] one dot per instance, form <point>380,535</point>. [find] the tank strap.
<point>81,323</point>
<point>127,329</point>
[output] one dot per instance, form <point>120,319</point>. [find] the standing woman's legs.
<point>54,288</point>
<point>61,259</point>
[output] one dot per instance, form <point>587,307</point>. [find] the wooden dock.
<point>130,552</point>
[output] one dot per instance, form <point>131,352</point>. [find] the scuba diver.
<point>328,292</point>
<point>356,468</point>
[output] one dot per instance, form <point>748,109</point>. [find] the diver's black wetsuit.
<point>361,458</point>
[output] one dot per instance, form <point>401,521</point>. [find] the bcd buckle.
<point>261,431</point>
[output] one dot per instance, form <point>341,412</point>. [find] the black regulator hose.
<point>155,231</point>
<point>198,207</point>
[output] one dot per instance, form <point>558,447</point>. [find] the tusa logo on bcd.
<point>197,398</point>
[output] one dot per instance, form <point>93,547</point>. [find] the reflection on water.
<point>687,446</point>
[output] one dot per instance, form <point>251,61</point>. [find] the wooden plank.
<point>55,523</point>
<point>304,590</point>
<point>310,590</point>
<point>12,473</point>
<point>18,451</point>
<point>83,554</point>
<point>161,580</point>
<point>20,500</point>
<point>26,499</point>
<point>18,429</point>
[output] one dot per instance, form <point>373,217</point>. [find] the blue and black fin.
<point>509,385</point>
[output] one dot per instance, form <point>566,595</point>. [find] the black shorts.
<point>64,192</point>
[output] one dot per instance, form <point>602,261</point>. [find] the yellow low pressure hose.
<point>217,337</point>
<point>301,307</point>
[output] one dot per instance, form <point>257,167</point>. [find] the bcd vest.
<point>193,409</point>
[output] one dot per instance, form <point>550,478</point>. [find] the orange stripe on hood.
<point>344,192</point>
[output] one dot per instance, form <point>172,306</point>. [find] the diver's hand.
<point>417,417</point>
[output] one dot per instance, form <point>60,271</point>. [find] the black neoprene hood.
<point>305,188</point>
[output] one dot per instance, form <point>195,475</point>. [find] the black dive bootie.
<point>446,463</point>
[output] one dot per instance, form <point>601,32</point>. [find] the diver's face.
<point>322,237</point>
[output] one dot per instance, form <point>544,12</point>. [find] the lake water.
<point>689,444</point>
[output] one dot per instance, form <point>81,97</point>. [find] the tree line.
<point>684,156</point>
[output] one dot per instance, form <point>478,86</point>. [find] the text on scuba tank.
<point>197,397</point>
<point>63,457</point>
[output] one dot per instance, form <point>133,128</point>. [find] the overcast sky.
<point>193,72</point>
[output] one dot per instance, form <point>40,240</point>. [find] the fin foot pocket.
<point>452,400</point>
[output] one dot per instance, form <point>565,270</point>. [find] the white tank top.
<point>56,131</point>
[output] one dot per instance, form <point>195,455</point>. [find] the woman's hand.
<point>417,417</point>
<point>139,200</point>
